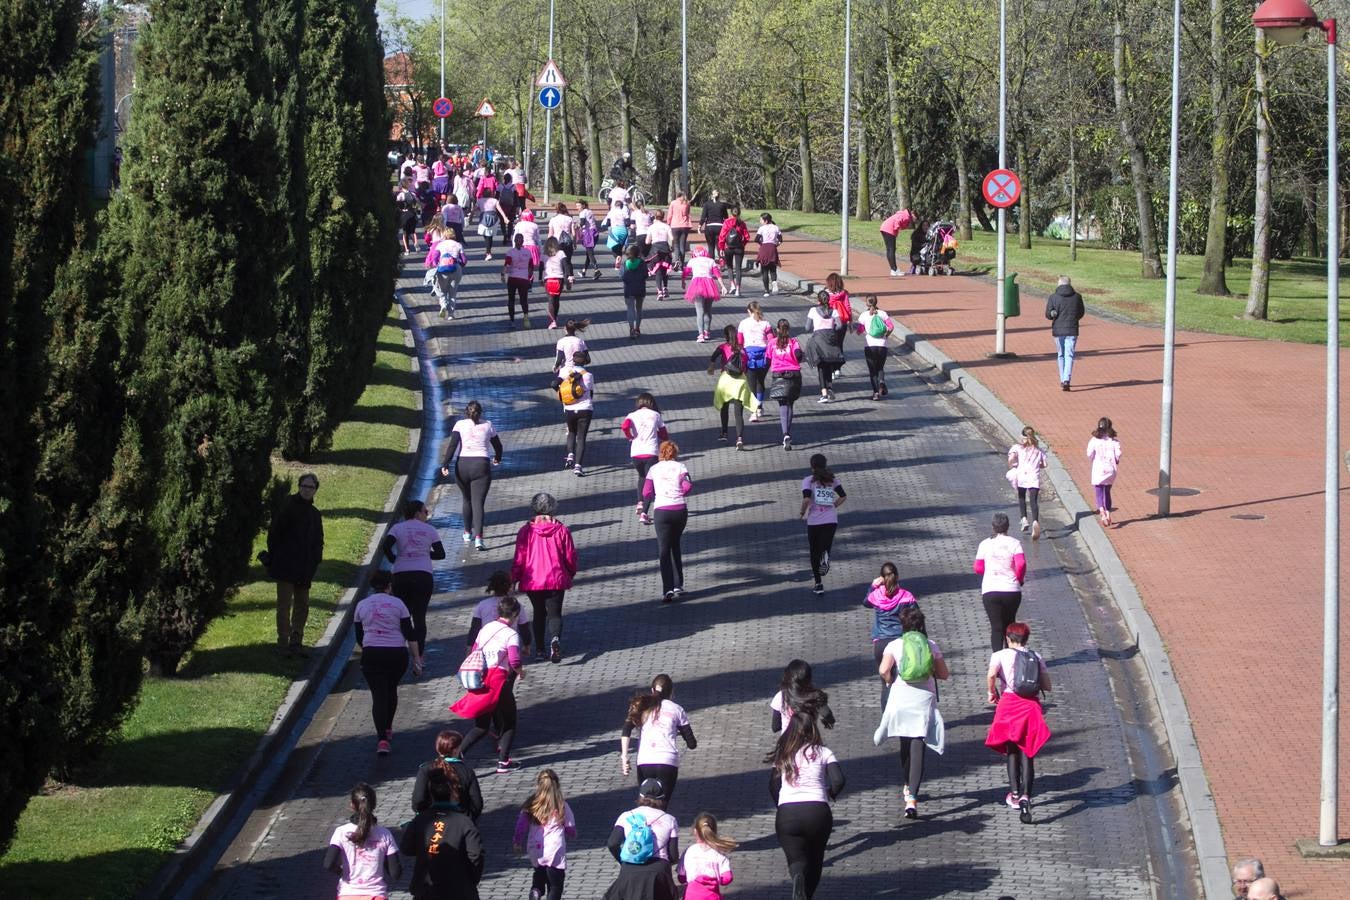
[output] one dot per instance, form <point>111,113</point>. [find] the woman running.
<point>806,779</point>
<point>362,853</point>
<point>754,333</point>
<point>1003,567</point>
<point>384,630</point>
<point>909,666</point>
<point>666,485</point>
<point>1016,678</point>
<point>705,867</point>
<point>822,496</point>
<point>887,600</point>
<point>445,844</point>
<point>875,327</point>
<point>452,217</point>
<point>1025,461</point>
<point>518,275</point>
<point>797,691</point>
<point>572,341</point>
<point>661,240</point>
<point>661,721</point>
<point>472,436</point>
<point>634,278</point>
<point>785,373</point>
<point>576,389</point>
<point>731,242</point>
<point>527,228</point>
<point>563,229</point>
<point>769,236</point>
<point>499,586</point>
<point>732,393</point>
<point>494,707</point>
<point>448,744</point>
<point>645,430</point>
<point>644,841</point>
<point>411,546</point>
<point>704,288</point>
<point>1104,452</point>
<point>489,222</point>
<point>544,566</point>
<point>825,344</point>
<point>542,829</point>
<point>589,232</point>
<point>555,274</point>
<point>446,260</point>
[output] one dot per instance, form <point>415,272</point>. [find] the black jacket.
<point>1064,309</point>
<point>473,795</point>
<point>825,347</point>
<point>295,542</point>
<point>453,871</point>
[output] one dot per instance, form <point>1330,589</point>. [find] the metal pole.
<point>1170,301</point>
<point>442,93</point>
<point>548,113</point>
<point>848,73</point>
<point>684,96</point>
<point>1331,570</point>
<point>1000,321</point>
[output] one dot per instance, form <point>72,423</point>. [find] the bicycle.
<point>635,193</point>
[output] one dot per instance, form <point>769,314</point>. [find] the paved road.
<point>922,481</point>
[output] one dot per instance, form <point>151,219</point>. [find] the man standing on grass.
<point>1064,309</point>
<point>294,549</point>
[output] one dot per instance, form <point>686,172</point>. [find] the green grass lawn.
<point>109,832</point>
<point>1110,279</point>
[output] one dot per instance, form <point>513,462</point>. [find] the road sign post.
<point>485,111</point>
<point>551,83</point>
<point>1001,189</point>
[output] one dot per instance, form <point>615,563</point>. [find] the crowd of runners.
<point>755,359</point>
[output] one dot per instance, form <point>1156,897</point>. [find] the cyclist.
<point>623,170</point>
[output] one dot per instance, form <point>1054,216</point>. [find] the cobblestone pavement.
<point>922,484</point>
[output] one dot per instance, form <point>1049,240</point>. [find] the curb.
<point>175,877</point>
<point>1176,719</point>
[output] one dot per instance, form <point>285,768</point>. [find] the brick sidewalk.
<point>1248,426</point>
<point>922,482</point>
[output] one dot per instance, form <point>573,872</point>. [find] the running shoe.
<point>775,287</point>
<point>578,471</point>
<point>596,275</point>
<point>569,462</point>
<point>1035,531</point>
<point>824,398</point>
<point>1011,800</point>
<point>787,442</point>
<point>526,323</point>
<point>722,437</point>
<point>766,293</point>
<point>555,652</point>
<point>487,258</point>
<point>467,537</point>
<point>668,596</point>
<point>876,395</point>
<point>644,518</point>
<point>506,765</point>
<point>552,325</point>
<point>1025,525</point>
<point>740,445</point>
<point>702,338</point>
<point>478,543</point>
<point>911,804</point>
<point>677,591</point>
<point>817,588</point>
<point>382,748</point>
<point>884,392</point>
<point>1024,807</point>
<point>825,563</point>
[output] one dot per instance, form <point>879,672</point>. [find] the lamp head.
<point>1285,21</point>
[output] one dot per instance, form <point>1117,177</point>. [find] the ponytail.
<point>644,704</point>
<point>363,804</point>
<point>783,334</point>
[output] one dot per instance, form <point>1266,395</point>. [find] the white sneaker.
<point>774,289</point>
<point>895,273</point>
<point>1025,526</point>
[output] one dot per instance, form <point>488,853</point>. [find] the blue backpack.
<point>639,844</point>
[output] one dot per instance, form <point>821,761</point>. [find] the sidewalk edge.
<point>1195,789</point>
<point>173,876</point>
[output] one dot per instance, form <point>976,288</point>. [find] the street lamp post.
<point>442,93</point>
<point>848,77</point>
<point>1001,320</point>
<point>684,97</point>
<point>1170,301</point>
<point>1286,22</point>
<point>548,114</point>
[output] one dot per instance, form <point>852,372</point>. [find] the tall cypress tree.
<point>48,105</point>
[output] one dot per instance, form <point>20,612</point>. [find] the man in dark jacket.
<point>510,204</point>
<point>294,549</point>
<point>1064,309</point>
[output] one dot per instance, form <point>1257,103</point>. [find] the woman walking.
<point>489,222</point>
<point>448,757</point>
<point>731,242</point>
<point>576,389</point>
<point>446,847</point>
<point>797,692</point>
<point>411,546</point>
<point>1016,678</point>
<point>661,721</point>
<point>875,327</point>
<point>666,485</point>
<point>678,216</point>
<point>542,829</point>
<point>644,841</point>
<point>1025,461</point>
<point>563,229</point>
<point>472,436</point>
<point>544,566</point>
<point>806,779</point>
<point>661,240</point>
<point>1003,566</point>
<point>589,233</point>
<point>384,631</point>
<point>704,288</point>
<point>518,275</point>
<point>634,278</point>
<point>494,707</point>
<point>825,345</point>
<point>785,372</point>
<point>769,236</point>
<point>362,853</point>
<point>732,393</point>
<point>1104,452</point>
<point>754,333</point>
<point>909,665</point>
<point>822,496</point>
<point>645,430</point>
<point>564,352</point>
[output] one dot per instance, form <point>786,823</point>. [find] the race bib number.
<point>824,496</point>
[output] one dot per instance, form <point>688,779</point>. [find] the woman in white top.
<point>645,430</point>
<point>494,708</point>
<point>579,411</point>
<point>1025,461</point>
<point>754,332</point>
<point>652,878</point>
<point>384,631</point>
<point>1003,567</point>
<point>666,485</point>
<point>489,222</point>
<point>661,242</point>
<point>769,236</point>
<point>564,229</point>
<point>472,436</point>
<point>875,327</point>
<point>1018,730</point>
<point>660,721</point>
<point>411,545</point>
<point>806,779</point>
<point>911,712</point>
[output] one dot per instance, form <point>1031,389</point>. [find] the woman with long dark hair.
<point>472,436</point>
<point>448,744</point>
<point>411,546</point>
<point>444,843</point>
<point>660,720</point>
<point>363,853</point>
<point>822,496</point>
<point>798,692</point>
<point>806,779</point>
<point>785,375</point>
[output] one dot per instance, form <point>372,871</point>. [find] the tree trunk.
<point>1151,262</point>
<point>864,207</point>
<point>568,186</point>
<point>899,148</point>
<point>1213,280</point>
<point>768,174</point>
<point>1258,293</point>
<point>626,118</point>
<point>1073,194</point>
<point>985,223</point>
<point>804,146</point>
<point>1312,236</point>
<point>592,120</point>
<point>1024,200</point>
<point>962,189</point>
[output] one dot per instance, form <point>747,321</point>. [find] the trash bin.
<point>1012,296</point>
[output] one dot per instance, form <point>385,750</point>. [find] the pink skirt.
<point>479,703</point>
<point>534,254</point>
<point>1020,721</point>
<point>703,288</point>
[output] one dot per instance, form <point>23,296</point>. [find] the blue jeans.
<point>1064,347</point>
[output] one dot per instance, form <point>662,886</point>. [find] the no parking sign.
<point>1002,188</point>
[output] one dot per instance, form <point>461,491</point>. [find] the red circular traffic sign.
<point>442,107</point>
<point>1002,188</point>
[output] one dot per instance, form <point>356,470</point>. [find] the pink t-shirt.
<point>663,826</point>
<point>413,539</point>
<point>784,360</point>
<point>706,870</point>
<point>475,438</point>
<point>1027,464</point>
<point>496,640</point>
<point>1000,573</point>
<point>811,783</point>
<point>660,731</point>
<point>646,426</point>
<point>670,482</point>
<point>518,263</point>
<point>379,615</point>
<point>363,867</point>
<point>1105,456</point>
<point>546,845</point>
<point>823,496</point>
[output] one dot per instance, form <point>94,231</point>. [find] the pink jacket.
<point>546,558</point>
<point>897,222</point>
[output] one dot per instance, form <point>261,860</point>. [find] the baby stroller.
<point>939,250</point>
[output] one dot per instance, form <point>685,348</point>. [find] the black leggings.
<point>889,241</point>
<point>414,589</point>
<point>820,538</point>
<point>1034,495</point>
<point>710,234</point>
<point>803,830</point>
<point>669,528</point>
<point>548,882</point>
<point>474,477</point>
<point>667,775</point>
<point>547,610</point>
<point>578,424</point>
<point>383,668</point>
<point>825,375</point>
<point>1001,608</point>
<point>502,720</point>
<point>517,288</point>
<point>768,273</point>
<point>590,262</point>
<point>876,362</point>
<point>756,379</point>
<point>487,244</point>
<point>1021,771</point>
<point>739,409</point>
<point>911,762</point>
<point>735,262</point>
<point>642,464</point>
<point>681,243</point>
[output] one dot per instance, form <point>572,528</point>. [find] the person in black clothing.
<point>447,757</point>
<point>294,550</point>
<point>1065,309</point>
<point>509,202</point>
<point>447,849</point>
<point>623,169</point>
<point>711,219</point>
